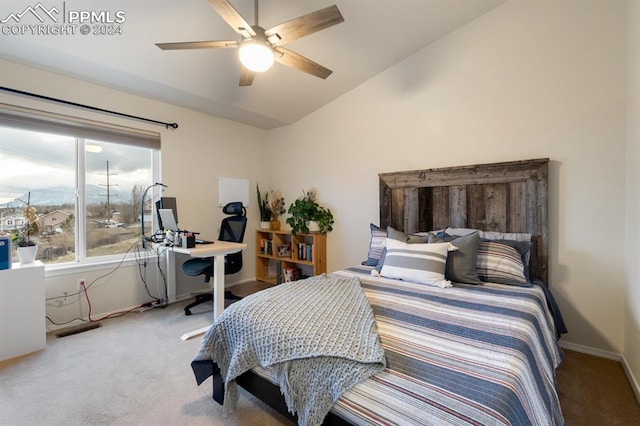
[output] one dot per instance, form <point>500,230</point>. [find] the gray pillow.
<point>461,264</point>
<point>394,234</point>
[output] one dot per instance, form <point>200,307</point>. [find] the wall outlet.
<point>65,297</point>
<point>81,284</point>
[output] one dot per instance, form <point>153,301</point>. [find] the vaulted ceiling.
<point>375,35</point>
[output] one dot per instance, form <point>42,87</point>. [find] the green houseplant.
<point>271,207</point>
<point>263,205</point>
<point>306,209</point>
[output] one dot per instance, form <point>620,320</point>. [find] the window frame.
<point>84,130</point>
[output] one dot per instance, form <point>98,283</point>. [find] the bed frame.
<point>505,197</point>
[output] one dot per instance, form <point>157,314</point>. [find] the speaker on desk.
<point>5,252</point>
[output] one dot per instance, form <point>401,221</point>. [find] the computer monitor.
<point>166,203</point>
<point>168,221</point>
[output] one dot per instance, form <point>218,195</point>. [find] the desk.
<point>217,251</point>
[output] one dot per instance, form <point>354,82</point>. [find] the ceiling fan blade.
<point>246,76</point>
<point>232,17</point>
<point>197,45</point>
<point>304,25</point>
<point>292,59</point>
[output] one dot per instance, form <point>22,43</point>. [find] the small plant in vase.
<point>276,207</point>
<point>27,249</point>
<point>265,213</point>
<point>308,216</point>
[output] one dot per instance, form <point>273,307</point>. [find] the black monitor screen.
<point>166,203</point>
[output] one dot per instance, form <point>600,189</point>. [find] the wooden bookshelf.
<point>280,251</point>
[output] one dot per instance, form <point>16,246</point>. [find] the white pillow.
<point>420,263</point>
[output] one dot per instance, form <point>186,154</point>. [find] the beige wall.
<point>527,80</point>
<point>194,156</point>
<point>632,250</point>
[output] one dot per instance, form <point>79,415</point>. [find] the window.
<point>86,182</point>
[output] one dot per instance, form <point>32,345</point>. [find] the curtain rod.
<point>74,104</point>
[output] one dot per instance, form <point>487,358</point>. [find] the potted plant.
<point>276,207</point>
<point>265,213</point>
<point>27,249</point>
<point>308,216</point>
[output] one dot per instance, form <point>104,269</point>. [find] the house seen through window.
<point>87,192</point>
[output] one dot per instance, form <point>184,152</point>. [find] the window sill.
<point>57,270</point>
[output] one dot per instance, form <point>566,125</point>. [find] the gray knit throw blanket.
<point>318,334</point>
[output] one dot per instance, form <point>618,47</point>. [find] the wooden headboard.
<point>505,197</point>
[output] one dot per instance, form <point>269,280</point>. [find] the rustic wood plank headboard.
<point>505,197</point>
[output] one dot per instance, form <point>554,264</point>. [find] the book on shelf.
<point>266,246</point>
<point>305,252</point>
<point>291,274</point>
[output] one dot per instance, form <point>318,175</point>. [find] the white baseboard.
<point>632,380</point>
<point>591,351</point>
<point>608,355</point>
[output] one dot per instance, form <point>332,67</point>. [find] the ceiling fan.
<point>259,48</point>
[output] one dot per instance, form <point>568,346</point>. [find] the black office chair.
<point>231,229</point>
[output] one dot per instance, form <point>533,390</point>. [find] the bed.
<point>457,352</point>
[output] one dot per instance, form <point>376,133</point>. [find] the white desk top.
<point>209,250</point>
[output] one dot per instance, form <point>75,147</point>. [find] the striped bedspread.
<point>483,355</point>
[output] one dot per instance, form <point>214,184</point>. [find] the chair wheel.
<point>187,312</point>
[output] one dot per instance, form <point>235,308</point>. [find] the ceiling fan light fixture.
<point>256,54</point>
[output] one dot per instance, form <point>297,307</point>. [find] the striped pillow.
<point>503,261</point>
<point>376,245</point>
<point>420,263</point>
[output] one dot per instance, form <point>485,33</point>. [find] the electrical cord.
<point>98,278</point>
<point>163,275</point>
<point>142,269</point>
<point>86,295</point>
<point>143,262</point>
<point>140,308</point>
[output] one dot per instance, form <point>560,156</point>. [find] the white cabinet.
<point>23,326</point>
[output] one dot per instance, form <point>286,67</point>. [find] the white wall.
<point>194,156</point>
<point>632,250</point>
<point>529,79</point>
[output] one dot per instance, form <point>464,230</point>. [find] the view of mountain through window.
<point>61,176</point>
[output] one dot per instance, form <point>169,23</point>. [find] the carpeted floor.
<point>595,391</point>
<point>134,370</point>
